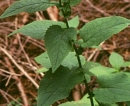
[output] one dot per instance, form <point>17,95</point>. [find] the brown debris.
<point>18,77</point>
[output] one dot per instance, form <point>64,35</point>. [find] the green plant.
<point>63,64</point>
<point>15,103</point>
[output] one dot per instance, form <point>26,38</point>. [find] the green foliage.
<point>56,86</point>
<point>101,70</point>
<point>116,60</point>
<point>66,10</point>
<point>14,103</point>
<point>74,22</point>
<point>30,6</point>
<point>70,60</point>
<point>44,60</point>
<point>63,64</point>
<point>98,30</point>
<point>89,65</point>
<point>126,63</point>
<point>83,102</point>
<point>128,103</point>
<point>37,29</point>
<point>113,88</point>
<point>71,2</point>
<point>58,44</point>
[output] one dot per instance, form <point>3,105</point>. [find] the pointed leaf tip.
<point>57,42</point>
<point>30,6</point>
<point>100,29</point>
<point>56,86</point>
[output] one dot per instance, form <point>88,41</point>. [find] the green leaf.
<point>70,60</point>
<point>72,2</point>
<point>30,6</point>
<point>74,22</point>
<point>126,64</point>
<point>100,29</point>
<point>42,70</point>
<point>85,101</point>
<point>58,44</point>
<point>56,86</point>
<point>128,103</point>
<point>44,60</point>
<point>113,88</point>
<point>116,60</point>
<point>87,78</point>
<point>67,10</point>
<point>89,65</point>
<point>101,104</point>
<point>101,70</point>
<point>79,42</point>
<point>37,29</point>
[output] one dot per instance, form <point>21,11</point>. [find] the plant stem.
<point>78,58</point>
<point>60,3</point>
<point>77,54</point>
<point>86,84</point>
<point>89,93</point>
<point>66,21</point>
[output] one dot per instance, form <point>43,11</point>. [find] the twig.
<point>18,36</point>
<point>19,85</point>
<point>10,73</point>
<point>6,94</point>
<point>96,8</point>
<point>19,67</point>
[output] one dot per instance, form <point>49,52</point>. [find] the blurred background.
<point>19,80</point>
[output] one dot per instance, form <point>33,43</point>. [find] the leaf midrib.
<point>102,31</point>
<point>21,7</point>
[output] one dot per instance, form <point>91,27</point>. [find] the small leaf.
<point>42,70</point>
<point>79,42</point>
<point>101,70</point>
<point>100,29</point>
<point>113,88</point>
<point>44,60</point>
<point>89,65</point>
<point>30,6</point>
<point>85,101</point>
<point>67,10</point>
<point>97,47</point>
<point>56,86</point>
<point>72,2</point>
<point>74,22</point>
<point>58,44</point>
<point>87,78</point>
<point>70,60</point>
<point>116,60</point>
<point>37,29</point>
<point>126,64</point>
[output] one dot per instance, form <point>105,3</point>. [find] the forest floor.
<point>19,80</point>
